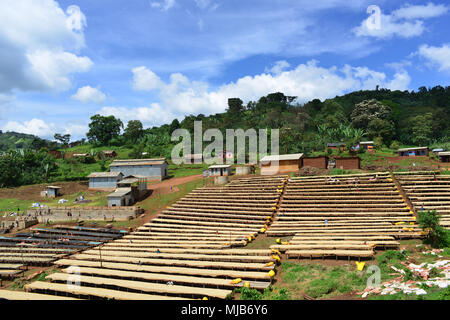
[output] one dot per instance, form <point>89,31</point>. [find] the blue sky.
<point>155,60</point>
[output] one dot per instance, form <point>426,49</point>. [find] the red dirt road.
<point>164,186</point>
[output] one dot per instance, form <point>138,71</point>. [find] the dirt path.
<point>164,186</point>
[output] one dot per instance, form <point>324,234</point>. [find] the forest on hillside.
<point>391,118</point>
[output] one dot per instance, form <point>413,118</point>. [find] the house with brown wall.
<point>348,163</point>
<point>275,164</point>
<point>320,162</point>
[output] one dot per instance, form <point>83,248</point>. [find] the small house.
<point>55,153</point>
<point>336,145</point>
<point>444,156</point>
<point>81,155</point>
<point>52,192</point>
<point>274,164</point>
<point>219,170</point>
<point>151,169</point>
<point>193,158</point>
<point>245,170</point>
<point>348,163</point>
<point>316,162</point>
<point>366,145</point>
<point>413,152</point>
<point>436,151</point>
<point>110,153</point>
<point>121,197</point>
<point>104,180</point>
<point>138,184</point>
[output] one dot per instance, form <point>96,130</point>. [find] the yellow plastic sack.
<point>247,284</point>
<point>284,242</point>
<point>205,298</point>
<point>249,239</point>
<point>276,257</point>
<point>262,230</point>
<point>236,281</point>
<point>271,273</point>
<point>269,264</point>
<point>401,222</point>
<point>360,265</point>
<point>275,251</point>
<point>278,241</point>
<point>269,218</point>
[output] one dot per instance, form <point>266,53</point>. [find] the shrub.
<point>250,294</point>
<point>395,145</point>
<point>436,235</point>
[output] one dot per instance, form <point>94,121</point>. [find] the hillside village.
<point>329,210</point>
<point>211,158</point>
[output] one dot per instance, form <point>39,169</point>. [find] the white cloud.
<point>405,22</point>
<point>278,67</point>
<point>53,68</point>
<point>163,5</point>
<point>145,79</point>
<point>87,94</point>
<point>181,96</point>
<point>37,127</point>
<point>155,114</point>
<point>39,44</point>
<point>437,55</point>
<point>44,129</point>
<point>420,11</point>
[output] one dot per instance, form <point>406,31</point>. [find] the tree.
<point>422,128</point>
<point>381,128</point>
<point>64,139</point>
<point>174,125</point>
<point>134,131</point>
<point>235,105</point>
<point>37,144</point>
<point>103,129</point>
<point>368,110</point>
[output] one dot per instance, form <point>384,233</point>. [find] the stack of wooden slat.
<point>346,215</point>
<point>428,191</point>
<point>192,250</point>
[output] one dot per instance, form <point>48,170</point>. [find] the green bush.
<point>250,294</point>
<point>436,235</point>
<point>395,145</point>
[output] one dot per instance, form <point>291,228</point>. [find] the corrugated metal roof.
<point>366,142</point>
<point>140,160</point>
<point>444,153</point>
<point>104,174</point>
<point>53,187</point>
<point>411,149</point>
<point>137,163</point>
<point>128,181</point>
<point>219,166</point>
<point>281,157</point>
<point>120,192</point>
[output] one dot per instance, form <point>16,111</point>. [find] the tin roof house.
<point>151,169</point>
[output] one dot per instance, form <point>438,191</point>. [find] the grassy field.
<point>160,201</point>
<point>339,279</point>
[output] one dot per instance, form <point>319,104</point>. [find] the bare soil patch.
<point>33,192</point>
